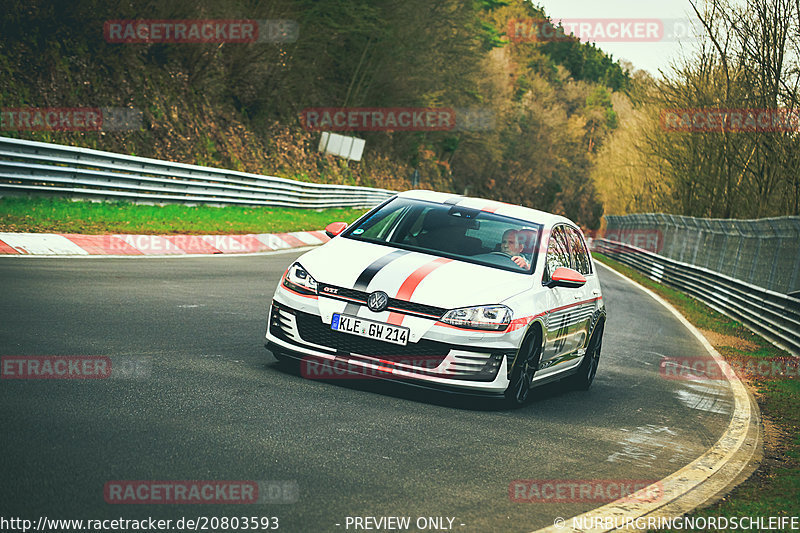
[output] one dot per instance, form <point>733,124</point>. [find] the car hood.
<point>413,276</point>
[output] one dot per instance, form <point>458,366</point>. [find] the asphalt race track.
<point>212,404</point>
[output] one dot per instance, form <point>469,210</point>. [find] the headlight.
<point>298,280</point>
<point>492,317</point>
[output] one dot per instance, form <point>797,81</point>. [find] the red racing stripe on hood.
<point>411,283</point>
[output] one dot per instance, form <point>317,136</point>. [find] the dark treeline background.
<point>571,129</point>
<point>237,105</point>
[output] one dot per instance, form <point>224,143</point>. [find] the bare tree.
<point>748,60</point>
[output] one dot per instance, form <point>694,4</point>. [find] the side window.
<point>579,254</point>
<point>557,251</point>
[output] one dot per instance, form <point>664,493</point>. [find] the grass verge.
<point>774,489</point>
<point>56,215</point>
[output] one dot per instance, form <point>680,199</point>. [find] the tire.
<point>584,377</point>
<point>524,369</point>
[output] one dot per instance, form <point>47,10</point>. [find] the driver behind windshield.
<point>511,245</point>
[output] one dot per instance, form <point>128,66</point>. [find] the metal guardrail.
<point>764,252</point>
<point>41,168</point>
<point>774,315</point>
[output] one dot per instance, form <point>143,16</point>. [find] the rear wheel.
<point>584,377</point>
<point>524,368</point>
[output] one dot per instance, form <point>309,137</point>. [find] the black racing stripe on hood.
<point>369,273</point>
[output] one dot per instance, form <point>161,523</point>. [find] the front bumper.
<point>428,363</point>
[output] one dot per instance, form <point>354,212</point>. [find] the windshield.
<point>450,231</point>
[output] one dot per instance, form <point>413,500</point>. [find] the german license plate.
<point>370,329</point>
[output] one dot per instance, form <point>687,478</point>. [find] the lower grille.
<point>312,329</point>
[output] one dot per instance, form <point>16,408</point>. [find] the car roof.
<point>492,206</point>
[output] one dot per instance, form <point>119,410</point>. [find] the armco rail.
<point>41,168</point>
<point>775,316</point>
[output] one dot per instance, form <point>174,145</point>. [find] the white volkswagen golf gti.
<point>449,292</point>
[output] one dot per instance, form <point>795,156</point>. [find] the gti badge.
<point>377,301</point>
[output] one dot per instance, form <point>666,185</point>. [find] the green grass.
<point>774,489</point>
<point>37,215</point>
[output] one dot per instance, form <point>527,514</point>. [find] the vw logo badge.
<point>377,301</point>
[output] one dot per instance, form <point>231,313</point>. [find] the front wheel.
<point>584,377</point>
<point>524,368</point>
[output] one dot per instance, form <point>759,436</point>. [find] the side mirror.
<point>566,277</point>
<point>335,228</point>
